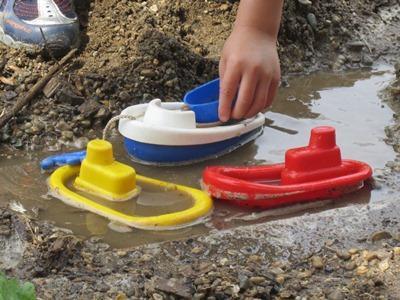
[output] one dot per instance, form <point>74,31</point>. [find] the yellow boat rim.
<point>202,203</point>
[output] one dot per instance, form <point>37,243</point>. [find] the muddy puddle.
<point>348,101</point>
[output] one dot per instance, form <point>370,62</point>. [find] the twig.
<point>3,63</point>
<point>21,102</point>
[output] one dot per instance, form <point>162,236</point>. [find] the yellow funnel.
<point>100,174</point>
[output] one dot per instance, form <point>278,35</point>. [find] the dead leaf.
<point>8,81</point>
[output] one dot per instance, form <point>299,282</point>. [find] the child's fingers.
<point>273,89</point>
<point>222,67</point>
<point>228,88</point>
<point>245,98</point>
<point>260,98</point>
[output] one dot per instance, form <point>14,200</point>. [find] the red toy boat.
<point>309,173</point>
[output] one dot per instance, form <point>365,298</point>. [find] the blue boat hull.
<point>182,155</point>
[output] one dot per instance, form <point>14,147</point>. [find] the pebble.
<point>280,279</point>
<point>305,2</point>
<point>67,134</point>
<point>361,270</point>
<point>148,73</point>
<point>353,251</point>
<point>9,95</point>
<point>146,258</point>
<point>367,60</point>
<point>224,7</point>
<point>157,296</point>
<point>384,265</point>
<point>154,8</point>
<point>199,296</point>
<point>343,254</point>
<point>257,280</point>
<point>317,262</point>
<point>350,266</point>
<point>368,255</point>
<point>197,250</point>
<point>380,235</point>
<point>396,250</point>
<point>355,45</point>
<point>336,295</point>
<point>304,274</point>
<point>312,20</point>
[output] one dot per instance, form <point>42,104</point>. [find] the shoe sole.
<point>9,41</point>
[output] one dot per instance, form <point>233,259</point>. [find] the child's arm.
<point>249,65</point>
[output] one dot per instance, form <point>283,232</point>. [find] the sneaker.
<point>52,24</point>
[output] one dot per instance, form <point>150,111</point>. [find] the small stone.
<point>304,274</point>
<point>361,270</point>
<point>285,294</point>
<point>124,96</point>
<point>355,45</point>
<point>317,262</point>
<point>148,73</point>
<point>257,280</point>
<point>244,282</point>
<point>353,251</point>
<point>370,255</point>
<point>254,259</point>
<point>380,235</point>
<point>146,258</point>
<point>367,60</point>
<point>157,296</point>
<point>312,20</point>
<point>121,253</point>
<point>336,295</point>
<point>81,142</point>
<point>350,266</point>
<point>305,2</point>
<point>154,8</point>
<point>342,254</point>
<point>384,265</point>
<point>121,296</point>
<point>199,296</point>
<point>280,279</point>
<point>396,250</point>
<point>9,95</point>
<point>197,250</point>
<point>67,134</point>
<point>224,7</point>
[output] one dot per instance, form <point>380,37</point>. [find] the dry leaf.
<point>8,81</point>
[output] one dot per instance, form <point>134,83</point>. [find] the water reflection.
<point>348,101</point>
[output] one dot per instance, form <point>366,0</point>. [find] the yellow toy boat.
<point>102,176</point>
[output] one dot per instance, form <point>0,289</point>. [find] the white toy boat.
<point>167,134</point>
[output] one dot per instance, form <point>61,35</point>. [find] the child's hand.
<point>249,68</point>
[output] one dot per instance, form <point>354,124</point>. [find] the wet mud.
<point>337,249</point>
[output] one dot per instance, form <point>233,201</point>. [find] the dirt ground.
<point>134,51</point>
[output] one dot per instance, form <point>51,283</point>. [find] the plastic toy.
<point>309,173</point>
<point>167,134</point>
<point>108,179</point>
<point>203,100</point>
<point>72,158</point>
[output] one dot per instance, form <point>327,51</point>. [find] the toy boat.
<point>167,134</point>
<point>309,173</point>
<point>203,101</point>
<point>100,175</point>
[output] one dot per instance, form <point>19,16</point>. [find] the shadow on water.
<point>348,101</point>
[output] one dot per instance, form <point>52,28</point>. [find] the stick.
<point>21,102</point>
